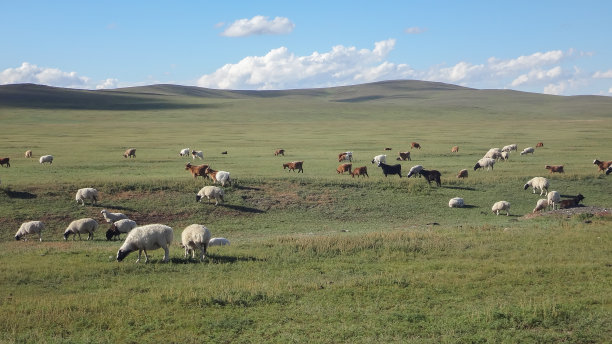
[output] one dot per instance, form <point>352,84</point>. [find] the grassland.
<point>315,257</point>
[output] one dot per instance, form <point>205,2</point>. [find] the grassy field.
<point>315,257</point>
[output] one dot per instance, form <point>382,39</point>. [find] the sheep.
<point>493,153</point>
<point>83,194</point>
<point>28,153</point>
<point>218,242</point>
<point>415,145</point>
<point>344,168</point>
<point>195,237</point>
<point>86,225</point>
<point>112,217</point>
<point>294,165</point>
<point>211,192</point>
<point>455,149</point>
<point>553,198</point>
<point>130,153</point>
<point>431,175</point>
<point>504,156</point>
<point>414,171</point>
<point>501,205</point>
<point>538,183</point>
<point>184,152</point>
<point>554,168</point>
<point>571,203</point>
<point>197,154</point>
<point>391,169</point>
<point>380,158</point>
<point>528,150</point>
<point>197,170</point>
<point>46,158</point>
<point>485,162</point>
<point>510,148</point>
<point>118,227</point>
<point>456,202</point>
<point>345,156</point>
<point>540,144</point>
<point>403,156</point>
<point>360,171</point>
<point>149,237</point>
<point>221,177</point>
<point>603,165</point>
<point>5,161</point>
<point>541,205</point>
<point>31,227</point>
<point>279,151</point>
<point>462,174</point>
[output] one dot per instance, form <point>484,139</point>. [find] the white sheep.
<point>31,227</point>
<point>210,192</point>
<point>112,217</point>
<point>118,227</point>
<point>86,225</point>
<point>414,171</point>
<point>149,237</point>
<point>501,205</point>
<point>510,148</point>
<point>83,194</point>
<point>380,158</point>
<point>493,153</point>
<point>528,150</point>
<point>195,237</point>
<point>197,154</point>
<point>554,198</point>
<point>505,155</point>
<point>485,162</point>
<point>218,242</point>
<point>541,205</point>
<point>46,158</point>
<point>184,152</point>
<point>538,183</point>
<point>221,177</point>
<point>456,202</point>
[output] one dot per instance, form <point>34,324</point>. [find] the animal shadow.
<point>19,194</point>
<point>243,208</point>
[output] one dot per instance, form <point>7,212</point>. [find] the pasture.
<point>318,256</point>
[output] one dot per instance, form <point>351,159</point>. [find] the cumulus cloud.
<point>30,73</point>
<point>537,75</point>
<point>259,25</point>
<point>415,30</point>
<point>107,84</point>
<point>603,75</point>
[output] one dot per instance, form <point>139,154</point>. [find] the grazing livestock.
<point>31,227</point>
<point>538,183</point>
<point>528,150</point>
<point>431,175</point>
<point>344,168</point>
<point>415,145</point>
<point>485,162</point>
<point>603,165</point>
<point>379,158</point>
<point>198,170</point>
<point>414,171</point>
<point>554,168</point>
<point>510,148</point>
<point>501,205</point>
<point>86,225</point>
<point>89,194</point>
<point>403,156</point>
<point>130,153</point>
<point>224,152</point>
<point>572,202</point>
<point>294,165</point>
<point>221,177</point>
<point>609,170</point>
<point>197,154</point>
<point>456,202</point>
<point>211,192</point>
<point>5,161</point>
<point>553,198</point>
<point>540,144</point>
<point>462,174</point>
<point>391,169</point>
<point>455,149</point>
<point>279,152</point>
<point>28,154</point>
<point>184,152</point>
<point>112,217</point>
<point>195,237</point>
<point>218,242</point>
<point>387,149</point>
<point>149,237</point>
<point>504,156</point>
<point>118,227</point>
<point>345,156</point>
<point>360,171</point>
<point>541,205</point>
<point>46,158</point>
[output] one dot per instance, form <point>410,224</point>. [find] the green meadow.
<point>315,257</point>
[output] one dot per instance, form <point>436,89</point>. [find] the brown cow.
<point>360,171</point>
<point>403,156</point>
<point>199,170</point>
<point>415,145</point>
<point>294,165</point>
<point>344,168</point>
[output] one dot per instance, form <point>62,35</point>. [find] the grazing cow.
<point>603,165</point>
<point>294,165</point>
<point>462,174</point>
<point>130,153</point>
<point>403,156</point>
<point>540,144</point>
<point>554,168</point>
<point>455,149</point>
<point>415,145</point>
<point>345,156</point>
<point>360,171</point>
<point>344,168</point>
<point>5,161</point>
<point>572,202</point>
<point>199,170</point>
<point>391,169</point>
<point>431,175</point>
<point>279,152</point>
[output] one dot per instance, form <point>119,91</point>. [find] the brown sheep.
<point>360,171</point>
<point>28,154</point>
<point>540,144</point>
<point>199,170</point>
<point>455,149</point>
<point>344,168</point>
<point>294,165</point>
<point>279,152</point>
<point>462,174</point>
<point>130,153</point>
<point>403,156</point>
<point>603,165</point>
<point>554,168</point>
<point>415,145</point>
<point>5,161</point>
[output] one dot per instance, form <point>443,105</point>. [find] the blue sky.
<point>554,47</point>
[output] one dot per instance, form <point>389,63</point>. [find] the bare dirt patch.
<point>597,211</point>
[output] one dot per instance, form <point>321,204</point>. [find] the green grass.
<point>315,257</point>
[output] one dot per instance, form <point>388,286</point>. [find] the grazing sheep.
<point>541,205</point>
<point>279,152</point>
<point>415,145</point>
<point>462,174</point>
<point>46,158</point>
<point>112,217</point>
<point>455,149</point>
<point>149,237</point>
<point>528,150</point>
<point>485,162</point>
<point>493,153</point>
<point>403,156</point>
<point>28,153</point>
<point>344,168</point>
<point>84,194</point>
<point>540,144</point>
<point>505,155</point>
<point>210,192</point>
<point>294,165</point>
<point>414,171</point>
<point>510,148</point>
<point>456,202</point>
<point>218,242</point>
<point>360,171</point>
<point>553,198</point>
<point>184,152</point>
<point>31,227</point>
<point>571,203</point>
<point>86,225</point>
<point>5,161</point>
<point>199,170</point>
<point>501,205</point>
<point>221,177</point>
<point>118,227</point>
<point>197,154</point>
<point>345,156</point>
<point>603,165</point>
<point>554,168</point>
<point>538,183</point>
<point>431,175</point>
<point>195,237</point>
<point>380,158</point>
<point>391,169</point>
<point>130,153</point>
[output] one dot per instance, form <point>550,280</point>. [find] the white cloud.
<point>415,30</point>
<point>537,75</point>
<point>603,75</point>
<point>556,89</point>
<point>523,62</point>
<point>259,25</point>
<point>108,83</point>
<point>30,73</point>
